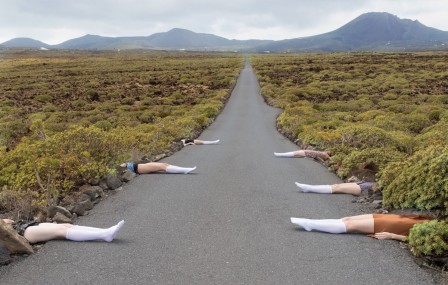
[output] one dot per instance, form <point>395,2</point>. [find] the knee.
<point>67,226</point>
<point>348,221</point>
<point>336,188</point>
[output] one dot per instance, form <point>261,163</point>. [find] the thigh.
<point>151,167</point>
<point>299,153</point>
<point>349,188</point>
<point>46,231</point>
<point>359,224</point>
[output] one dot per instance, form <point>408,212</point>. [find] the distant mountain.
<point>25,43</point>
<point>180,38</point>
<point>370,31</point>
<point>87,42</point>
<point>174,39</point>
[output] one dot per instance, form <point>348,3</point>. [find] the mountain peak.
<point>24,43</point>
<point>385,27</point>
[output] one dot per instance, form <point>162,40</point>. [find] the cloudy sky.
<point>55,21</point>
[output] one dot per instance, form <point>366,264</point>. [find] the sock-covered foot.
<point>188,170</point>
<point>301,223</point>
<point>110,233</point>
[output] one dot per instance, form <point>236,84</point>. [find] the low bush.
<point>420,181</point>
<point>429,238</point>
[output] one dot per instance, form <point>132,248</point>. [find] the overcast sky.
<point>55,21</point>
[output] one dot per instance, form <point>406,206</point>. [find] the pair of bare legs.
<point>49,231</point>
<point>153,167</point>
<point>354,224</point>
<point>342,188</point>
<point>186,142</point>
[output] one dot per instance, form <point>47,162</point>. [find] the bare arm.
<point>387,235</point>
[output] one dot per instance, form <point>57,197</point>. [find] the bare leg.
<point>346,188</point>
<point>49,231</point>
<point>46,231</point>
<point>359,224</point>
<point>200,142</point>
<point>151,167</point>
<point>299,153</point>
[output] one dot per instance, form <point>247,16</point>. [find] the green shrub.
<point>103,125</point>
<point>11,131</point>
<point>7,102</point>
<point>60,162</point>
<point>43,98</point>
<point>420,181</point>
<point>321,133</point>
<point>92,95</point>
<point>79,103</point>
<point>364,136</point>
<point>429,238</point>
<point>370,158</point>
<point>435,135</point>
<point>49,108</point>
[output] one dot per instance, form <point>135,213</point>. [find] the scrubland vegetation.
<point>383,114</point>
<point>69,117</point>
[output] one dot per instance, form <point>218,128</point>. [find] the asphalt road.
<point>227,223</point>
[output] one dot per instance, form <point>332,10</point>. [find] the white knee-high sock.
<point>210,142</point>
<point>322,189</point>
<point>334,226</point>
<point>92,229</point>
<point>85,234</point>
<point>178,169</point>
<point>284,154</point>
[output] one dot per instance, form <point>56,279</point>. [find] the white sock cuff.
<point>284,154</point>
<point>211,142</point>
<point>178,169</point>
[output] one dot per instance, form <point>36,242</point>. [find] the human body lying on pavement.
<point>186,142</point>
<point>154,167</point>
<point>379,226</point>
<point>354,188</point>
<point>40,232</point>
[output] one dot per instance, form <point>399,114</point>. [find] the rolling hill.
<point>25,43</point>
